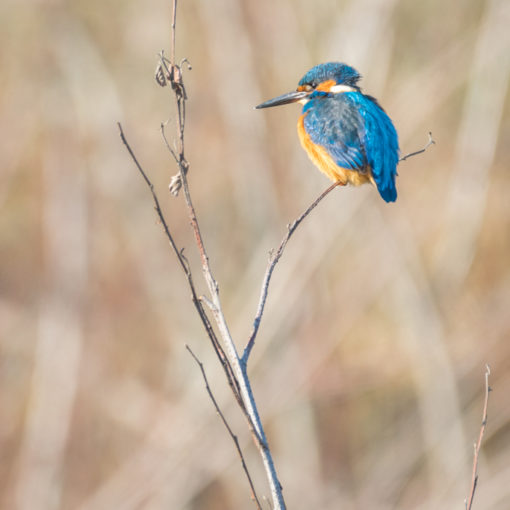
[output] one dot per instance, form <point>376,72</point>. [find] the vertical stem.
<point>174,16</point>
<point>474,478</point>
<point>238,366</point>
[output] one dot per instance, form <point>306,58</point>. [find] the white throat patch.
<point>337,89</point>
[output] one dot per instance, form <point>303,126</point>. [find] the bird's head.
<point>329,78</point>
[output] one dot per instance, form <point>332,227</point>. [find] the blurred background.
<point>369,365</point>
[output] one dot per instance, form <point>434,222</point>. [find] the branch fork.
<point>234,365</point>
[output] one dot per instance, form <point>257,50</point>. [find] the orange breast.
<point>325,163</point>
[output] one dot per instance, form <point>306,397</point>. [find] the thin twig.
<point>172,151</point>
<point>421,151</point>
<point>176,180</point>
<point>185,267</point>
<point>474,477</point>
<point>174,16</point>
<point>235,367</point>
<point>249,406</point>
<point>275,257</point>
<point>227,426</point>
<point>154,196</point>
<point>273,260</point>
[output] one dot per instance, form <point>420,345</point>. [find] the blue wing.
<point>358,134</point>
<point>336,125</point>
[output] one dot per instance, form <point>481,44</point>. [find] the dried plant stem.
<point>474,477</point>
<point>239,369</point>
<point>242,382</point>
<point>187,271</point>
<point>227,426</point>
<point>274,257</point>
<point>421,151</point>
<point>235,366</point>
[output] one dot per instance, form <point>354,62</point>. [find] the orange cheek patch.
<point>325,86</point>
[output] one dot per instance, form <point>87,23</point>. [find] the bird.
<point>346,133</point>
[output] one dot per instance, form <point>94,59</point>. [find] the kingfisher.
<point>346,133</point>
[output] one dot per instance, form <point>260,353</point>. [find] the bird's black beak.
<point>291,97</point>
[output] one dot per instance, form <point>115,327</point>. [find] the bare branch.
<point>176,181</point>
<point>154,196</point>
<point>235,367</point>
<point>248,401</point>
<point>474,478</point>
<point>174,17</point>
<point>248,405</point>
<point>172,151</point>
<point>421,151</point>
<point>275,256</point>
<point>185,267</point>
<point>227,426</point>
<point>235,370</point>
<point>273,260</point>
<point>209,303</point>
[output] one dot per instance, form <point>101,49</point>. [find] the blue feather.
<point>357,133</point>
<point>341,73</point>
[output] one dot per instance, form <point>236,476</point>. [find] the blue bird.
<point>345,133</point>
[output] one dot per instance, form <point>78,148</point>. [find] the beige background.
<point>369,364</point>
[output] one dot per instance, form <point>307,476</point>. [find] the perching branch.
<point>274,257</point>
<point>235,367</point>
<point>474,478</point>
<point>170,73</point>
<point>241,376</point>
